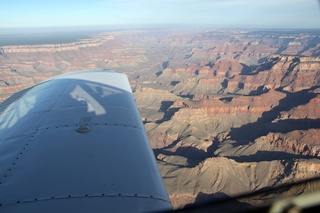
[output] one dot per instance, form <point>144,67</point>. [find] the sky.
<point>215,13</point>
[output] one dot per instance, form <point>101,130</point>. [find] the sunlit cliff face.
<point>229,111</point>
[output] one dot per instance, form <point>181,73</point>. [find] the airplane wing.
<point>76,143</point>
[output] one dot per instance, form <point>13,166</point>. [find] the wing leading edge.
<point>76,143</point>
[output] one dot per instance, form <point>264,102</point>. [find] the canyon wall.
<point>226,111</point>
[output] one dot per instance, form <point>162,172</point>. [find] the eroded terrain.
<point>226,111</point>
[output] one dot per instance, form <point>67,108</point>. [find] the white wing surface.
<point>76,143</point>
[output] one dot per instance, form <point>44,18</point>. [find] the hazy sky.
<point>229,13</point>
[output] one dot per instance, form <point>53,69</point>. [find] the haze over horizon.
<point>215,13</point>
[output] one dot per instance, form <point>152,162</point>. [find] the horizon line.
<point>155,26</point>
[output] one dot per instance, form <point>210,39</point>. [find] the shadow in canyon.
<point>260,90</point>
<point>216,202</point>
<point>249,132</point>
<point>246,70</point>
<point>311,44</point>
<point>168,112</point>
<point>188,96</point>
<point>267,65</point>
<point>174,83</point>
<point>159,73</point>
<point>193,155</point>
<point>268,156</point>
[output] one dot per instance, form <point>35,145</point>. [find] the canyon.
<point>227,112</point>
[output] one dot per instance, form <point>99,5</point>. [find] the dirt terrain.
<point>226,111</point>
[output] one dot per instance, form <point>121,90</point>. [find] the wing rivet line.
<point>81,128</point>
<point>80,196</point>
<point>9,170</point>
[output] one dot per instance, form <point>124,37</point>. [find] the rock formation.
<point>227,112</point>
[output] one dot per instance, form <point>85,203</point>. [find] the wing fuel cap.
<point>83,129</point>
